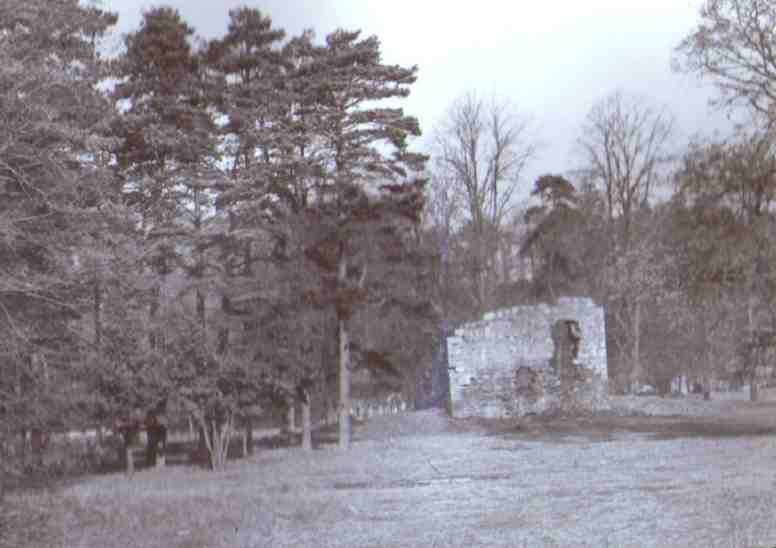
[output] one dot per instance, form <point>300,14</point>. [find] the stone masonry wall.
<point>484,356</point>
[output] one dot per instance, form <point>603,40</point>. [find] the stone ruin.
<point>529,359</point>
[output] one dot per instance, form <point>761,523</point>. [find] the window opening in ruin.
<point>566,337</point>
<point>575,335</point>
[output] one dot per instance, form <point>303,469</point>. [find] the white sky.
<point>552,59</point>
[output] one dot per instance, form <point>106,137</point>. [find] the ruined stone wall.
<point>484,356</point>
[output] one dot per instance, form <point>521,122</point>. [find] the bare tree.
<point>481,150</point>
<point>441,218</point>
<point>733,184</point>
<point>735,45</point>
<point>624,142</point>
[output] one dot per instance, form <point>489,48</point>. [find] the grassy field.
<point>422,480</point>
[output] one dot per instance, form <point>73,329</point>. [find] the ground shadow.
<point>601,429</point>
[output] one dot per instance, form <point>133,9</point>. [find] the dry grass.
<point>422,481</point>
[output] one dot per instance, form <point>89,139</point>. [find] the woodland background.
<point>216,229</point>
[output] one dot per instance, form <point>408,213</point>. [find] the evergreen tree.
<point>52,186</point>
<point>367,176</point>
<point>169,159</point>
<point>557,237</point>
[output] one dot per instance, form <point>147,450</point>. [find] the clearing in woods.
<point>701,474</point>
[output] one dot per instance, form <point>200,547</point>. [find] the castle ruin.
<point>527,359</point>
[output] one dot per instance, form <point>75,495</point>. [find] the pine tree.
<point>557,236</point>
<point>169,159</point>
<point>51,187</point>
<point>259,302</point>
<point>368,174</point>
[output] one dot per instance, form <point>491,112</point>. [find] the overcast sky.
<point>552,59</point>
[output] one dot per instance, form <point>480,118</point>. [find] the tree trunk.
<point>506,261</point>
<point>153,308</point>
<point>156,443</point>
<point>129,459</point>
<point>200,269</point>
<point>23,447</point>
<point>307,439</point>
<point>344,358</point>
<point>217,442</point>
<point>203,449</point>
<point>201,305</point>
<point>636,374</point>
<point>97,307</point>
<point>223,332</point>
<point>225,438</point>
<point>708,369</point>
<point>213,445</point>
<point>291,418</point>
<point>755,353</point>
<point>481,275</point>
<point>478,268</point>
<point>249,435</point>
<point>550,277</point>
<point>39,367</point>
<point>344,385</point>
